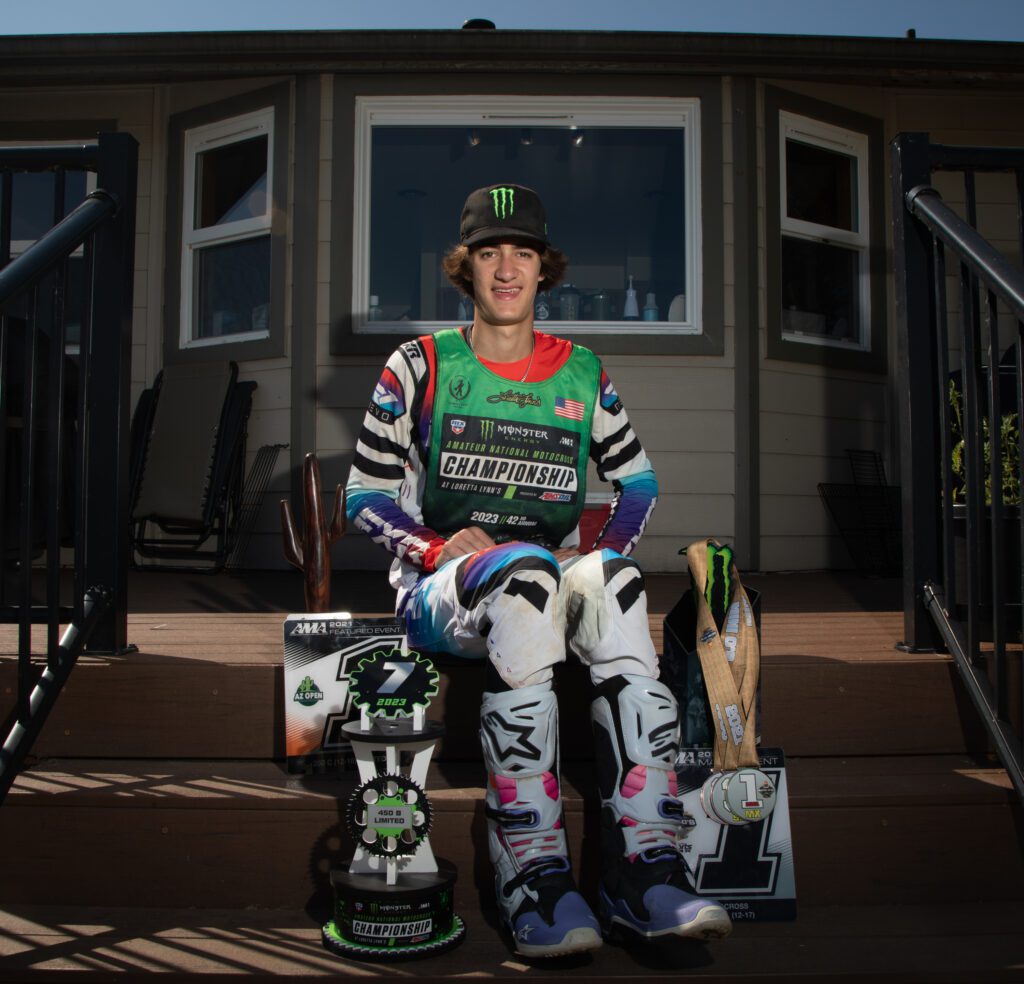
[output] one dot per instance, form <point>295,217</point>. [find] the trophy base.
<point>376,921</point>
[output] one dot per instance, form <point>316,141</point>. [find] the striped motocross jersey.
<point>384,491</point>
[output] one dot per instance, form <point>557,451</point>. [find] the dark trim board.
<point>747,389</point>
<point>305,219</point>
<point>174,57</point>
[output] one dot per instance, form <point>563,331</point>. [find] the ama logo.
<point>310,628</point>
<point>458,426</point>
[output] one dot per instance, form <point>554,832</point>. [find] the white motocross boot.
<point>645,884</point>
<point>536,894</point>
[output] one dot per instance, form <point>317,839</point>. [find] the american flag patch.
<point>572,409</point>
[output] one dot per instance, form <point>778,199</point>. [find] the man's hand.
<point>563,554</point>
<point>466,541</point>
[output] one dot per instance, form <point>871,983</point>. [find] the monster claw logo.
<point>486,429</point>
<point>504,200</point>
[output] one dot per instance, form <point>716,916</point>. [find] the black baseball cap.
<point>503,211</point>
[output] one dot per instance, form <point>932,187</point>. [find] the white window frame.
<point>199,140</point>
<point>492,110</point>
<point>806,130</point>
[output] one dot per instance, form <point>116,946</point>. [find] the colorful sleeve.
<point>387,457</point>
<point>621,460</point>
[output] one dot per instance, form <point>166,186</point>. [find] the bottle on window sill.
<point>569,303</point>
<point>542,308</point>
<point>651,309</point>
<point>375,312</point>
<point>630,310</point>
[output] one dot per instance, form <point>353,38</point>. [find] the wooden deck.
<point>158,787</point>
<point>881,943</point>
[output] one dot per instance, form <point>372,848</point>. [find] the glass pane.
<point>74,302</point>
<point>231,183</point>
<point>821,186</point>
<point>232,288</point>
<point>820,290</point>
<point>614,199</point>
<point>33,208</point>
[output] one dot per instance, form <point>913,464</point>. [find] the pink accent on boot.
<point>505,788</point>
<point>673,784</point>
<point>635,781</point>
<point>550,785</point>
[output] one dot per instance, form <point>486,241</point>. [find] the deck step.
<point>962,942</point>
<point>211,686</point>
<point>231,834</point>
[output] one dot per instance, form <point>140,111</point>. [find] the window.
<point>226,232</point>
<point>227,226</point>
<point>823,188</point>
<point>39,202</point>
<point>620,180</point>
<point>824,185</point>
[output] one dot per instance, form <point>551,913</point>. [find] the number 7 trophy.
<point>394,900</point>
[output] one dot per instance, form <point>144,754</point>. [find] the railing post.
<point>105,536</point>
<point>918,400</point>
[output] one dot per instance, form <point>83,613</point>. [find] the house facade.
<point>724,201</point>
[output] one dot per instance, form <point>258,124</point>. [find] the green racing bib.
<point>508,457</point>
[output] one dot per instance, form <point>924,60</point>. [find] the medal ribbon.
<point>731,685</point>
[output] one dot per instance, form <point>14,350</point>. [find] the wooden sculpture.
<point>312,553</point>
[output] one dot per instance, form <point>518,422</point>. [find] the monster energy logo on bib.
<point>504,201</point>
<point>511,466</point>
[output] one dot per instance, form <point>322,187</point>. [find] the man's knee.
<point>513,570</point>
<point>606,615</point>
<point>511,594</point>
<point>605,577</point>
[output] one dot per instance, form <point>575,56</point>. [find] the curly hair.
<point>553,263</point>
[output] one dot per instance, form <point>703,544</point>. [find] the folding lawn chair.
<point>188,466</point>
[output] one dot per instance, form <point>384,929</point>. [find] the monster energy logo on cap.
<point>501,210</point>
<point>504,201</point>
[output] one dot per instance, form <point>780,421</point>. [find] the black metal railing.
<point>65,350</point>
<point>962,407</point>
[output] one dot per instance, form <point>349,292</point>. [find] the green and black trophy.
<point>394,900</point>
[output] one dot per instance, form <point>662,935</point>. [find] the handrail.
<point>999,275</point>
<point>48,687</point>
<point>85,156</point>
<point>961,390</point>
<point>44,254</point>
<point>64,427</point>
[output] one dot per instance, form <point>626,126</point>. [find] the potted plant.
<point>1009,437</point>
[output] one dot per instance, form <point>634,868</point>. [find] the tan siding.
<point>679,386</point>
<point>794,474</point>
<point>810,393</point>
<point>815,436</point>
<point>796,515</point>
<point>803,553</point>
